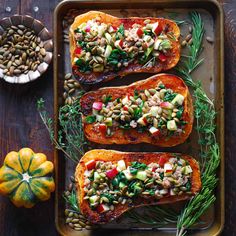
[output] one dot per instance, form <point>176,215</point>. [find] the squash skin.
<point>37,171</point>
<point>94,78</point>
<point>128,157</point>
<point>132,136</point>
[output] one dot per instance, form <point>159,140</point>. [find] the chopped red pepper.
<point>112,173</point>
<point>162,57</point>
<point>90,165</point>
<point>139,32</point>
<point>102,128</point>
<point>162,161</point>
<point>78,50</point>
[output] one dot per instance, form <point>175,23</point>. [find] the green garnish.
<point>139,166</point>
<point>83,66</point>
<point>169,96</point>
<point>90,119</point>
<point>120,32</point>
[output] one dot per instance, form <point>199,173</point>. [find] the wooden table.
<point>20,125</point>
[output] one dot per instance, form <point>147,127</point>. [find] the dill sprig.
<point>205,115</point>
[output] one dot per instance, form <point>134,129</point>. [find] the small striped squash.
<point>26,177</point>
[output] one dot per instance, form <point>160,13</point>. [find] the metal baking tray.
<point>211,74</point>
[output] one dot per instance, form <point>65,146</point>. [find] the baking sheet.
<point>210,74</point>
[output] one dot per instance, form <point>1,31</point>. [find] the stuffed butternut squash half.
<point>103,47</point>
<point>110,183</point>
<point>157,110</point>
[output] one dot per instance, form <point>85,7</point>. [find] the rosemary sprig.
<point>205,118</point>
<point>154,216</point>
<point>71,200</point>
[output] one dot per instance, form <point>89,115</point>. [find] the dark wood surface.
<point>20,125</point>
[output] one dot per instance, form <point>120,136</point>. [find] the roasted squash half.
<point>147,186</point>
<point>103,47</point>
<point>157,110</point>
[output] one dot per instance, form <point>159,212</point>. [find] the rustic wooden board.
<point>15,130</point>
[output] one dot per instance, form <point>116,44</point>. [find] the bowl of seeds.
<point>25,49</point>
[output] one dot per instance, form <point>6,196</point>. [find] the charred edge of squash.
<point>95,78</point>
<point>88,98</point>
<point>110,155</point>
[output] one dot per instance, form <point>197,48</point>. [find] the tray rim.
<point>220,119</point>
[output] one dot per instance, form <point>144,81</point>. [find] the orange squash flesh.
<point>173,54</point>
<point>114,156</point>
<point>132,136</point>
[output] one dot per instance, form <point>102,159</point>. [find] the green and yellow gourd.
<point>26,177</point>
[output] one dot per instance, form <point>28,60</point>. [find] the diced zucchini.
<point>108,121</point>
<point>187,170</point>
<point>121,165</point>
<point>93,199</point>
<point>171,125</point>
<point>142,175</point>
<point>179,99</point>
<point>121,185</point>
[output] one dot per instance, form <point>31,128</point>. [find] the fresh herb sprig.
<point>71,200</point>
<point>205,115</point>
<point>154,216</point>
<point>71,140</point>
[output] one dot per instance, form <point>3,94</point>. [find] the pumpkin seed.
<point>68,220</point>
<point>209,39</point>
<point>78,228</point>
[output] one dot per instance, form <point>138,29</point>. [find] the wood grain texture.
<point>229,7</point>
<point>20,125</point>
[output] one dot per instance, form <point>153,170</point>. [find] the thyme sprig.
<point>70,139</point>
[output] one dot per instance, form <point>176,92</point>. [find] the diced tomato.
<point>102,208</point>
<point>139,32</point>
<point>162,57</point>
<point>162,161</point>
<point>78,50</point>
<point>97,106</point>
<point>102,128</point>
<point>90,165</point>
<point>158,29</point>
<point>168,171</point>
<point>112,173</point>
<point>125,108</point>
